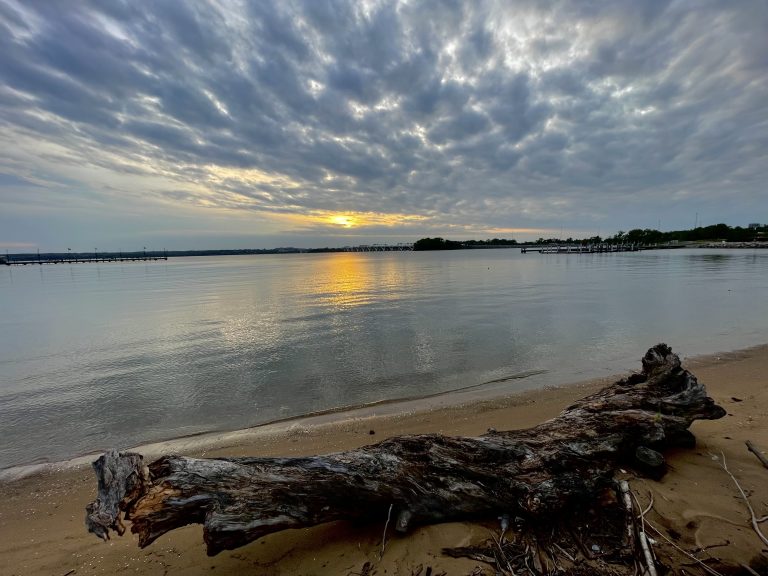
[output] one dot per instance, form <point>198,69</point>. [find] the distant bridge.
<point>402,247</point>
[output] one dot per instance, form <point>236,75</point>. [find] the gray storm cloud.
<point>488,114</point>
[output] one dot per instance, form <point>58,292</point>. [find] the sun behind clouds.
<point>344,220</point>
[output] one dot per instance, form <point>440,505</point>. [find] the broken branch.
<point>760,456</point>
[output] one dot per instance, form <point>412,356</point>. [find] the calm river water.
<point>114,355</point>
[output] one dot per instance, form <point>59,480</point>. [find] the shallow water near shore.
<point>111,355</point>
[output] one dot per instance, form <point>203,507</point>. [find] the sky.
<point>232,124</point>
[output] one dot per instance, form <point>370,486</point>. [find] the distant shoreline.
<point>65,257</point>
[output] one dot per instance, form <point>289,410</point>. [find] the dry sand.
<point>696,504</point>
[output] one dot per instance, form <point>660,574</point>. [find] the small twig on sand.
<point>502,554</point>
<point>645,545</point>
<point>580,543</point>
<point>691,556</point>
<point>710,546</point>
<point>384,536</point>
<point>650,566</point>
<point>539,560</point>
<point>650,504</point>
<point>630,528</point>
<point>364,571</point>
<point>562,550</point>
<point>645,542</point>
<point>557,566</point>
<point>760,456</point>
<point>750,570</point>
<point>746,501</point>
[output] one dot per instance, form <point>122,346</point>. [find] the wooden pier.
<point>27,261</point>
<point>582,249</point>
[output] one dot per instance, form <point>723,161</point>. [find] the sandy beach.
<point>696,504</point>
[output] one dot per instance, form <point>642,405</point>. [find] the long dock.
<point>94,260</point>
<point>582,249</point>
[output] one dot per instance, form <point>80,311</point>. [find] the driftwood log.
<point>429,478</point>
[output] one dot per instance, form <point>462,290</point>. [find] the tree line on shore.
<point>716,232</point>
<point>443,244</point>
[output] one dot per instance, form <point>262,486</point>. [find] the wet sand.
<point>696,504</point>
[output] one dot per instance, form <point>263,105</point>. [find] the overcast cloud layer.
<point>297,121</point>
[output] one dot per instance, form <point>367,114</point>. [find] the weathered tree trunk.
<point>427,478</point>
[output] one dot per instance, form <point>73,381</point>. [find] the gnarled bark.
<point>427,478</point>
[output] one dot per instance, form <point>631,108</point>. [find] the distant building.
<point>754,226</point>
